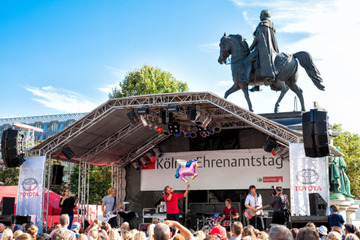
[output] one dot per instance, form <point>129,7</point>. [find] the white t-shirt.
<point>254,201</point>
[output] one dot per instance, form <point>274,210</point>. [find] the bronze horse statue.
<point>286,65</point>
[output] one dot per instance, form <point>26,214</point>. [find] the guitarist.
<point>252,202</point>
<point>109,204</point>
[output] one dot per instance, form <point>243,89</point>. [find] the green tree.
<point>100,182</point>
<point>148,80</point>
<point>349,144</point>
<point>9,176</point>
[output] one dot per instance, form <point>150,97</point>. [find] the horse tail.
<point>177,175</point>
<point>307,63</point>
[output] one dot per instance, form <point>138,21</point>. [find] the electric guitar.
<point>108,216</point>
<point>249,214</point>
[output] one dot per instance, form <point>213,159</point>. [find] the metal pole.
<point>79,194</point>
<point>48,186</point>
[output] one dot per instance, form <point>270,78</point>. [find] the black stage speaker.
<point>11,148</point>
<point>315,133</point>
<point>58,172</point>
<point>18,219</point>
<point>8,204</point>
<point>317,205</point>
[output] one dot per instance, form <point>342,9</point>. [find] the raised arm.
<point>183,230</point>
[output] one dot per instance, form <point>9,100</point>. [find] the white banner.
<point>30,189</point>
<point>308,175</point>
<point>225,169</point>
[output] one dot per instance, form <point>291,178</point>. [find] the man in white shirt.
<point>253,201</point>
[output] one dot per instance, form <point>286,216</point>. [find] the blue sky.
<point>65,56</point>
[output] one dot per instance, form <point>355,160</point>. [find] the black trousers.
<point>278,218</point>
<point>175,217</point>
<point>257,222</point>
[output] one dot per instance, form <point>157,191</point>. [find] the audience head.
<point>24,236</point>
<point>83,237</point>
<point>155,221</point>
<point>61,234</point>
<point>114,234</point>
<point>18,227</point>
<point>248,231</point>
<point>64,220</point>
<point>322,230</point>
<point>2,227</point>
<point>237,228</point>
<point>337,229</point>
<point>311,225</point>
<point>219,231</point>
<point>350,228</point>
<point>334,208</point>
<point>17,233</point>
<point>307,233</point>
<point>262,235</point>
<point>32,230</point>
<point>75,226</point>
<point>178,237</point>
<point>161,232</point>
<point>351,236</point>
<point>125,226</point>
<point>279,232</point>
<point>140,235</point>
<point>334,236</point>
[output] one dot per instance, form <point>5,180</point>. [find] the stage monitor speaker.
<point>317,205</point>
<point>8,204</point>
<point>57,175</point>
<point>11,148</point>
<point>18,219</point>
<point>315,133</point>
<point>68,153</point>
<point>270,144</point>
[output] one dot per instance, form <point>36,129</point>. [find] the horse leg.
<point>184,179</point>
<point>231,90</point>
<point>284,89</point>
<point>195,175</point>
<point>245,89</point>
<point>291,82</point>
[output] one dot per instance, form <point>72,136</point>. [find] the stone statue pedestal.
<point>350,212</point>
<point>347,207</point>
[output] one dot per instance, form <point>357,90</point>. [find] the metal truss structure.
<point>223,114</point>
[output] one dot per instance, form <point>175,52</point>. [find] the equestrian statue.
<point>263,64</point>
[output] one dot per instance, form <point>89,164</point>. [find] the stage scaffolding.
<point>123,141</point>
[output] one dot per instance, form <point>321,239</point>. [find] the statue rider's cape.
<point>267,47</point>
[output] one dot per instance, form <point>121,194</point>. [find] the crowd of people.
<point>173,230</point>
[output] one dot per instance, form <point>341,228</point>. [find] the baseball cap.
<point>219,231</point>
<point>322,230</point>
<point>18,227</point>
<point>75,226</point>
<point>278,188</point>
<point>351,228</point>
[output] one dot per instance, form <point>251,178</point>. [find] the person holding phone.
<point>67,204</point>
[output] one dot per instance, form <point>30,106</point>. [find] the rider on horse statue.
<point>264,49</point>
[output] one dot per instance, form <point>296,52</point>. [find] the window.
<point>54,126</point>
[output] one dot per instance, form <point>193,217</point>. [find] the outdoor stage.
<point>121,131</point>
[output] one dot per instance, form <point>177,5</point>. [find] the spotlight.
<point>186,134</point>
<point>132,117</point>
<point>68,153</point>
<point>270,144</point>
<point>166,133</point>
<point>158,129</point>
<point>191,111</point>
<point>174,108</point>
<point>285,156</point>
<point>177,134</point>
<point>204,119</point>
<point>136,165</point>
<point>217,129</point>
<point>151,155</point>
<point>143,111</point>
<point>162,116</point>
<point>144,161</point>
<point>157,152</point>
<point>143,121</point>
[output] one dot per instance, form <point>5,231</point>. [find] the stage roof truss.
<point>222,112</point>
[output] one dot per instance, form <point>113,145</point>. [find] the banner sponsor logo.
<point>272,179</point>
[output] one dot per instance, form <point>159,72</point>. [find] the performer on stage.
<point>229,211</point>
<point>252,202</point>
<point>279,202</point>
<point>171,199</point>
<point>67,204</point>
<point>109,204</point>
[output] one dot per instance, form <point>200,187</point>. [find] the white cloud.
<point>331,36</point>
<point>119,75</point>
<point>60,99</point>
<point>209,47</point>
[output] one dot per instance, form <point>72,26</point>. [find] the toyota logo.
<point>307,176</point>
<point>29,184</point>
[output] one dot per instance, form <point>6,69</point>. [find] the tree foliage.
<point>9,176</point>
<point>349,144</point>
<point>148,80</point>
<point>100,182</point>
